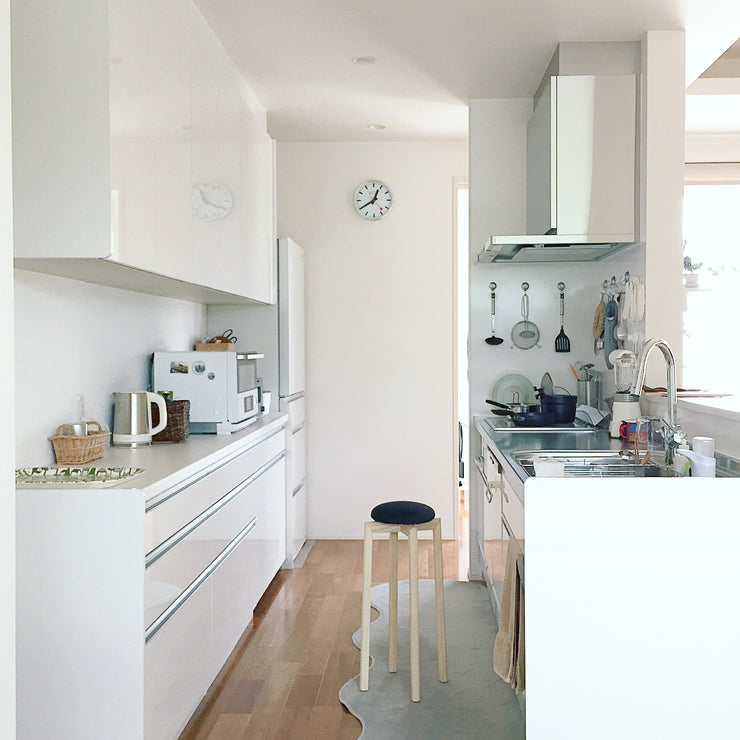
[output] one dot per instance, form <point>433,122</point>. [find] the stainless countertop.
<point>518,439</point>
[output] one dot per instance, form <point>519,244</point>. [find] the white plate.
<point>505,387</point>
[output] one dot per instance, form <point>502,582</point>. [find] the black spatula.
<point>562,343</point>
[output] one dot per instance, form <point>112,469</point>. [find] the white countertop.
<point>167,463</point>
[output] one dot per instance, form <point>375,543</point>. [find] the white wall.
<point>662,168</point>
<point>379,324</point>
<point>74,337</point>
<point>7,490</point>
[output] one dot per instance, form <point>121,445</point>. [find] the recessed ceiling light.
<point>364,60</point>
<point>376,126</point>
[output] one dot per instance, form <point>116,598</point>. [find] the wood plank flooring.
<point>282,679</point>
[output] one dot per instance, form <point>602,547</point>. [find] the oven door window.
<point>246,375</point>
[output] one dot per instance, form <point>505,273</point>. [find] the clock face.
<point>373,200</point>
<point>211,200</point>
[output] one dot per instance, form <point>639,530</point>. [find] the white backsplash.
<point>77,338</point>
<point>582,294</point>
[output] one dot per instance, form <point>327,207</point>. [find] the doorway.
<point>462,404</point>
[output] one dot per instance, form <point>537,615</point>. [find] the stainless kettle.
<point>132,418</point>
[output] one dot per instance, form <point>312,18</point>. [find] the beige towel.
<point>508,648</point>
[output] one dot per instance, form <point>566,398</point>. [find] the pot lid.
<point>546,385</point>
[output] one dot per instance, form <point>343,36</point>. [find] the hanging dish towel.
<point>610,323</point>
<point>508,648</point>
<point>598,326</point>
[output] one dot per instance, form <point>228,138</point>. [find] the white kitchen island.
<point>632,606</point>
<point>131,598</point>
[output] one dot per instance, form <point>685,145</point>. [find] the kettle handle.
<point>159,400</point>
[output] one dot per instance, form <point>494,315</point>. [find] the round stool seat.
<point>402,512</point>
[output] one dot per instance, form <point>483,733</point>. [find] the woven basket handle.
<point>97,424</point>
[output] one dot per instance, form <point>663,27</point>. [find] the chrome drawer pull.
<point>181,534</point>
<point>170,492</point>
<point>165,616</point>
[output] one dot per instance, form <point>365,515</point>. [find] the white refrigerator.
<point>280,332</point>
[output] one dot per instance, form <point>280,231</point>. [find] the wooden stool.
<point>409,518</point>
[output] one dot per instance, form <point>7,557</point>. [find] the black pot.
<point>562,407</point>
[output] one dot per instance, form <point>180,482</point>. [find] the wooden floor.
<point>283,677</point>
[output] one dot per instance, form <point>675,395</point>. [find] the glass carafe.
<point>624,372</point>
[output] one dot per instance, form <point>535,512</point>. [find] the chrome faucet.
<point>674,436</point>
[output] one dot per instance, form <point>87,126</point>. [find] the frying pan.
<point>532,417</point>
<point>516,408</point>
<point>528,418</point>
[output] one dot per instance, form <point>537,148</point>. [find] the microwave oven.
<point>222,387</point>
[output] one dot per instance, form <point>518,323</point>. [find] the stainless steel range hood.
<point>549,248</point>
<point>581,172</point>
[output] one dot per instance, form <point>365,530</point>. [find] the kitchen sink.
<point>596,464</point>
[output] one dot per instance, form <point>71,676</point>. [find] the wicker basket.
<point>178,422</point>
<point>75,449</point>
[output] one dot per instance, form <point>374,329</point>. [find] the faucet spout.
<point>674,435</point>
<point>671,388</point>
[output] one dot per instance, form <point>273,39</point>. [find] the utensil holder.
<point>587,393</point>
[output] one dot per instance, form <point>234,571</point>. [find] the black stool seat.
<point>402,512</point>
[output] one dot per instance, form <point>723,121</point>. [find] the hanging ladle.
<point>493,339</point>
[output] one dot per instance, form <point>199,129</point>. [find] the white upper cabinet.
<point>120,110</point>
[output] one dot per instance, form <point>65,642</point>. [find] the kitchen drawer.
<point>171,512</point>
<point>240,581</point>
<point>178,668</point>
<point>297,459</point>
<point>513,509</point>
<point>177,567</point>
<point>297,521</point>
<point>297,412</point>
<point>491,465</point>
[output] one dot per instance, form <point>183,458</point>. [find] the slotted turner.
<point>562,343</point>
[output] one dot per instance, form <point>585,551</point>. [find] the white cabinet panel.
<point>298,457</point>
<point>160,106</point>
<point>172,514</point>
<point>297,530</point>
<point>177,667</point>
<point>241,580</point>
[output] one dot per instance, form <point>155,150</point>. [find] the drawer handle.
<point>165,616</point>
<point>181,534</point>
<point>170,492</point>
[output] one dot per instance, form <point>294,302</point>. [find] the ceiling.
<point>433,57</point>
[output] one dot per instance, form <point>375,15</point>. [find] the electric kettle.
<point>132,418</point>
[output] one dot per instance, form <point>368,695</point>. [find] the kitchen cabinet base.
<point>117,275</point>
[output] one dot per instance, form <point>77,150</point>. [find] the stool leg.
<point>393,605</point>
<point>414,614</point>
<point>439,589</point>
<point>367,566</point>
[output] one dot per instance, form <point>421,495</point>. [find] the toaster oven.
<point>223,387</point>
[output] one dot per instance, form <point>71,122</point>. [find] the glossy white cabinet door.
<point>178,668</point>
<point>241,580</point>
<point>164,520</point>
<point>297,522</point>
<point>79,647</point>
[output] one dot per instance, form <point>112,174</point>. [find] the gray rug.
<point>474,703</point>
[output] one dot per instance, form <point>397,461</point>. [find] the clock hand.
<point>369,203</point>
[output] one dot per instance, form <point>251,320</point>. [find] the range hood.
<point>549,248</point>
<point>581,172</point>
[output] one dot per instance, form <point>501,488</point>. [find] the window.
<point>712,276</point>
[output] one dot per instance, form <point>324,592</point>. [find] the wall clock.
<point>211,200</point>
<point>373,200</point>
